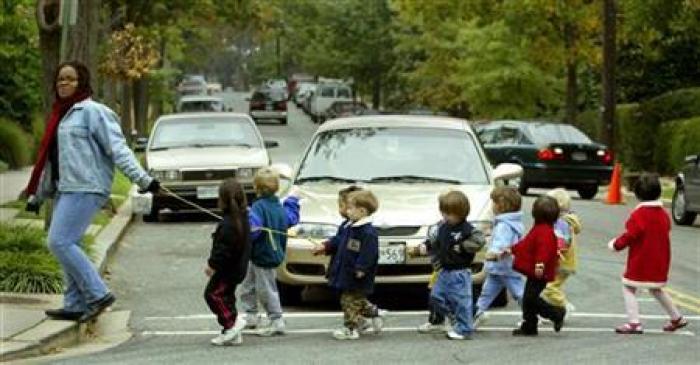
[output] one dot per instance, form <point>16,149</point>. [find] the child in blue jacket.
<point>507,231</point>
<point>269,220</point>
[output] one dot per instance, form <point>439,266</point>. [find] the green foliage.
<point>3,166</point>
<point>15,147</point>
<point>26,265</point>
<point>677,139</point>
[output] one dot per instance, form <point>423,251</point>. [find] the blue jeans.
<point>452,294</point>
<point>72,214</point>
<point>494,284</point>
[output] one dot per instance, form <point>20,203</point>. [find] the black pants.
<point>533,306</point>
<point>220,295</point>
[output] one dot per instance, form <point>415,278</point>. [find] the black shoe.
<point>97,307</point>
<point>521,332</point>
<point>62,314</point>
<point>559,322</point>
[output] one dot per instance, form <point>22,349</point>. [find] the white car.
<point>407,162</point>
<point>200,103</point>
<point>303,91</point>
<point>326,94</point>
<point>192,153</point>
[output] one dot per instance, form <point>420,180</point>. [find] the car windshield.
<point>200,106</point>
<point>203,132</point>
<point>394,154</point>
<point>557,133</point>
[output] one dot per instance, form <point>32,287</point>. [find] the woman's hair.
<point>83,76</point>
<point>545,210</point>
<point>233,203</point>
<point>267,181</point>
<point>648,187</point>
<point>562,197</point>
<point>454,202</point>
<point>364,199</point>
<point>507,198</point>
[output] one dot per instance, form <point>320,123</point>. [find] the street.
<point>158,275</point>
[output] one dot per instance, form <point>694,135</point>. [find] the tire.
<point>679,213</point>
<point>154,216</point>
<point>283,121</point>
<point>522,188</point>
<point>587,192</point>
<point>290,294</point>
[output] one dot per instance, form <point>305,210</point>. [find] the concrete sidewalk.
<point>24,329</point>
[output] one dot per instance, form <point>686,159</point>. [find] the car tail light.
<point>282,105</point>
<point>548,154</point>
<point>256,104</point>
<point>606,156</point>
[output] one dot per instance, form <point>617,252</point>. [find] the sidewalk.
<point>24,329</point>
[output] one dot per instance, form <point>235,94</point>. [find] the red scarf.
<point>58,111</point>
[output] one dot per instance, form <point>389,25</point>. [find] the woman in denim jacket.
<point>81,146</point>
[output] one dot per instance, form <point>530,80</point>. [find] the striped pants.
<point>221,299</point>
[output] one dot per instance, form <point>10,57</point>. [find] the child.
<point>508,229</point>
<point>647,237</point>
<point>536,258</point>
<point>436,320</point>
<point>269,219</point>
<point>454,248</point>
<point>228,262</point>
<point>566,229</point>
<point>354,265</point>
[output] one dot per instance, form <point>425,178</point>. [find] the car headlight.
<point>313,230</point>
<point>166,175</point>
<point>245,173</point>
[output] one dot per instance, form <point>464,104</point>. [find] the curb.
<point>50,335</point>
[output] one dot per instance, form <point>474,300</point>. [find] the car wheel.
<point>588,192</point>
<point>153,216</point>
<point>290,294</point>
<point>678,208</point>
<point>283,121</point>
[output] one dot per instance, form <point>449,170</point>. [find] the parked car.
<point>200,103</point>
<point>551,155</point>
<point>685,205</point>
<point>326,94</point>
<point>192,153</point>
<point>268,104</point>
<point>344,109</point>
<point>192,85</point>
<point>303,90</point>
<point>213,88</point>
<point>278,84</point>
<point>407,161</point>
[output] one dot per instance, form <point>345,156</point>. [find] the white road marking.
<point>418,313</point>
<point>413,329</point>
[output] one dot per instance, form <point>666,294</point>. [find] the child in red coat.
<point>535,256</point>
<point>649,258</point>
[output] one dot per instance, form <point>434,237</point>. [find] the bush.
<point>15,147</point>
<point>680,138</point>
<point>590,123</point>
<point>3,166</point>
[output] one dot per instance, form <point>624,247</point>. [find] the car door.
<point>692,182</point>
<point>487,137</point>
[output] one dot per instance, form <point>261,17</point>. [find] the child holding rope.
<point>269,220</point>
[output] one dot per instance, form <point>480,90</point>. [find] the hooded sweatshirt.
<point>508,230</point>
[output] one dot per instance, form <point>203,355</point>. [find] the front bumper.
<point>268,114</point>
<point>189,192</point>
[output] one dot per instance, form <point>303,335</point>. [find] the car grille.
<point>306,269</point>
<point>399,231</point>
<point>397,270</point>
<point>207,175</point>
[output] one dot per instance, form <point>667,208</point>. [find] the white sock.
<point>666,302</point>
<point>631,304</point>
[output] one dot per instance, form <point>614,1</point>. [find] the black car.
<point>686,198</point>
<point>551,154</point>
<point>268,103</point>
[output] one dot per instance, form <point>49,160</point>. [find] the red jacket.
<point>647,237</point>
<point>539,245</point>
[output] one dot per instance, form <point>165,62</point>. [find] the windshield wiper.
<point>326,177</point>
<point>414,178</point>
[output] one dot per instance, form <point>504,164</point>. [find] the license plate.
<point>579,156</point>
<point>207,192</point>
<point>392,254</point>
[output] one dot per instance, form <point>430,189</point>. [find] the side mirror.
<point>692,159</point>
<point>507,171</point>
<point>140,144</point>
<point>283,169</point>
<point>271,144</point>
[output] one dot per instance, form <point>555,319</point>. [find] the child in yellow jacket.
<point>567,228</point>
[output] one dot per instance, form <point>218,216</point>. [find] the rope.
<point>198,207</point>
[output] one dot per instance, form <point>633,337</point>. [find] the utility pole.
<point>279,55</point>
<point>609,48</point>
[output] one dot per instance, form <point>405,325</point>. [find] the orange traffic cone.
<point>615,189</point>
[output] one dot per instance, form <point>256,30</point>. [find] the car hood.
<point>399,204</point>
<point>209,157</point>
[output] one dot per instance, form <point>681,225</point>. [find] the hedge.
<point>682,138</point>
<point>15,146</point>
<point>590,123</point>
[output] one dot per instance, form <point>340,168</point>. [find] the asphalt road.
<point>158,275</point>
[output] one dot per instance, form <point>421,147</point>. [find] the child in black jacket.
<point>228,262</point>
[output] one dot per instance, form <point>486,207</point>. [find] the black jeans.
<point>533,306</point>
<point>220,295</point>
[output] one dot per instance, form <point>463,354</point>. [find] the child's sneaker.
<point>630,329</point>
<point>252,321</point>
<point>378,321</point>
<point>346,334</point>
<point>452,335</point>
<point>428,327</point>
<point>570,308</point>
<point>365,326</point>
<point>231,336</point>
<point>675,324</point>
<point>480,318</point>
<point>274,327</point>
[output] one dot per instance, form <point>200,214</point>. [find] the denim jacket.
<point>90,145</point>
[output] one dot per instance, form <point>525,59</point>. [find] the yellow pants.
<point>553,293</point>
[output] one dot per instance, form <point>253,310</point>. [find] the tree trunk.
<point>140,105</point>
<point>609,39</point>
<point>376,91</point>
<point>83,36</point>
<point>49,42</point>
<point>571,74</point>
<point>126,110</point>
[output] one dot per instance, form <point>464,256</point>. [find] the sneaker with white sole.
<point>433,328</point>
<point>378,321</point>
<point>231,336</point>
<point>365,326</point>
<point>570,308</point>
<point>452,335</point>
<point>252,320</point>
<point>346,334</point>
<point>480,318</point>
<point>273,328</point>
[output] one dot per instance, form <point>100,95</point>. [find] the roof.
<point>208,115</point>
<point>519,122</point>
<point>415,121</point>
